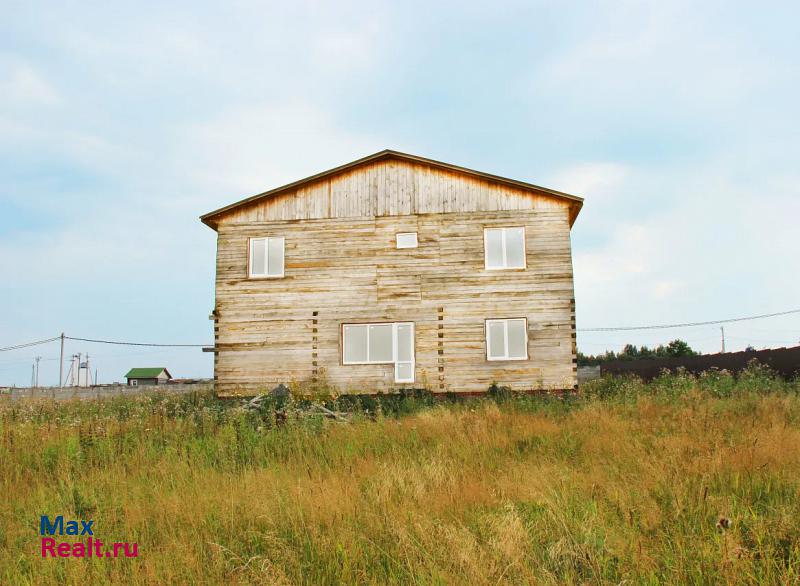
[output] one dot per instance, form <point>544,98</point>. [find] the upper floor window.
<point>266,257</point>
<point>507,339</point>
<point>407,240</point>
<point>504,248</point>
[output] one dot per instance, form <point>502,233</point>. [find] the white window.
<point>266,257</point>
<point>504,247</point>
<point>407,240</point>
<point>385,343</point>
<point>507,339</point>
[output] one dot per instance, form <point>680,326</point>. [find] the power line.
<point>27,345</point>
<point>117,343</point>
<point>606,329</point>
<point>686,325</point>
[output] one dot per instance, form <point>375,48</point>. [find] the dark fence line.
<point>784,361</point>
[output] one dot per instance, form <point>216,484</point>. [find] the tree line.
<point>675,349</point>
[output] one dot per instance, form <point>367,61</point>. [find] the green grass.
<point>625,483</point>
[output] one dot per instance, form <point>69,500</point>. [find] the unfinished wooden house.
<point>396,271</point>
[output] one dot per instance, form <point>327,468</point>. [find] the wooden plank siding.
<point>342,266</point>
<point>391,188</point>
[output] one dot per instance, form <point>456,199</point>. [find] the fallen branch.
<point>331,414</point>
<point>254,403</point>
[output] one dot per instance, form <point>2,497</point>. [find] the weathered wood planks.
<point>342,265</point>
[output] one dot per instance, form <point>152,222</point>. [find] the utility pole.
<point>61,365</point>
<point>73,370</point>
<point>69,372</point>
<point>722,329</point>
<point>38,358</point>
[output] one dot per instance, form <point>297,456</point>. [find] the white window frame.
<point>399,234</point>
<point>505,321</point>
<point>503,230</point>
<point>394,359</point>
<point>266,239</point>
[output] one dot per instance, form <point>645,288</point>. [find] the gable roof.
<point>147,372</point>
<point>209,219</point>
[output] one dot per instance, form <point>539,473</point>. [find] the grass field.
<point>626,483</point>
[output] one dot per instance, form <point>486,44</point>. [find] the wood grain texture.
<point>390,188</point>
<point>342,263</point>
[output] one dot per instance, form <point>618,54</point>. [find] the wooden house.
<point>396,271</point>
<point>148,376</point>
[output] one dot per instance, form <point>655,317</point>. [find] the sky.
<point>121,123</point>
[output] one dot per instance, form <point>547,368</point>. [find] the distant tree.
<point>645,352</point>
<point>675,349</point>
<point>678,348</point>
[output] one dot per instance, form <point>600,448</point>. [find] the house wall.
<point>142,381</point>
<point>347,270</point>
<point>160,380</point>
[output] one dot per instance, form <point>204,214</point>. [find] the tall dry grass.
<point>624,484</point>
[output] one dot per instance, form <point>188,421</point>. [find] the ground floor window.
<point>507,339</point>
<point>381,343</point>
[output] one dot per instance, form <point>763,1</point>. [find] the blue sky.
<point>121,123</point>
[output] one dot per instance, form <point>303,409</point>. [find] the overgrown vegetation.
<point>626,482</point>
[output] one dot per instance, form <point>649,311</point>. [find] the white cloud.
<point>97,244</point>
<point>678,60</point>
<point>348,50</point>
<point>678,129</point>
<point>249,149</point>
<point>716,248</point>
<point>664,289</point>
<point>598,181</point>
<point>22,85</point>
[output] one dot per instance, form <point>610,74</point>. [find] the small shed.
<point>158,375</point>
